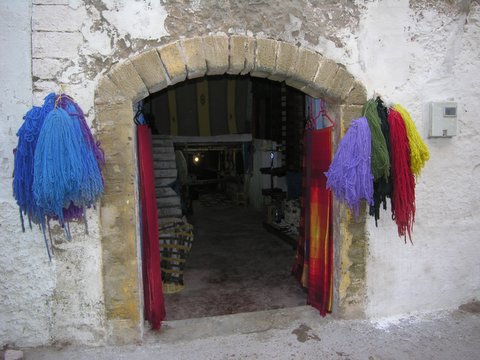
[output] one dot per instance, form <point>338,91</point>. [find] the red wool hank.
<point>403,197</point>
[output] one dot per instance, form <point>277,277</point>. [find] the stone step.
<point>156,143</point>
<point>165,220</point>
<point>167,173</point>
<point>162,165</point>
<point>163,182</point>
<point>169,212</point>
<point>166,156</point>
<point>165,192</point>
<point>172,201</point>
<point>163,150</point>
<point>161,137</point>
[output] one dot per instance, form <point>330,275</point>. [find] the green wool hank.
<point>380,157</point>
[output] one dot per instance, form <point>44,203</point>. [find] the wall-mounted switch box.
<point>443,119</point>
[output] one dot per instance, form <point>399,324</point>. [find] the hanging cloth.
<point>403,197</point>
<point>313,261</point>
<point>152,279</point>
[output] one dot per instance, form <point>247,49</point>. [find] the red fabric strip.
<point>152,278</point>
<point>315,246</point>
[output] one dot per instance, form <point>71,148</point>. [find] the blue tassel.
<point>65,168</point>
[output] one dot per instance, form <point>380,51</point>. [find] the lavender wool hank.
<point>350,175</point>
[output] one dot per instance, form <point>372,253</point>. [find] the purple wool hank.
<point>350,175</point>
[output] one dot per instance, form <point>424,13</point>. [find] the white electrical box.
<point>443,119</point>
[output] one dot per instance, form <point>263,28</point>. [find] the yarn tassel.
<point>403,198</point>
<point>350,175</point>
<point>382,188</point>
<point>380,157</point>
<point>419,153</point>
<point>65,169</point>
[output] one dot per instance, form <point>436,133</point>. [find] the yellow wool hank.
<point>419,153</point>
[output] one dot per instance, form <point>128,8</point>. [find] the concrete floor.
<point>235,265</point>
<point>298,333</point>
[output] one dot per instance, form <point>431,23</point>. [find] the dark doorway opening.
<point>227,160</point>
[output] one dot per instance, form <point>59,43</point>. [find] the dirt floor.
<point>298,333</point>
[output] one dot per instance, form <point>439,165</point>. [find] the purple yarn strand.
<point>350,175</point>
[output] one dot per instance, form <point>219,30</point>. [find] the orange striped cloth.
<point>314,258</point>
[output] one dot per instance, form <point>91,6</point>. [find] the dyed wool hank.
<point>350,175</point>
<point>403,198</point>
<point>380,157</point>
<point>382,187</point>
<point>418,150</point>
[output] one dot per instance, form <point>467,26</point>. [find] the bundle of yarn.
<point>378,158</point>
<point>57,170</point>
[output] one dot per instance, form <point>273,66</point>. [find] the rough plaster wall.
<point>27,278</point>
<point>430,52</point>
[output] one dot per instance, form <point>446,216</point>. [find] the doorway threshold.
<point>224,325</point>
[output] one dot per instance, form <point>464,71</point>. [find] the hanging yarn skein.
<point>57,169</point>
<point>382,187</point>
<point>418,149</point>
<point>350,175</point>
<point>403,197</point>
<point>65,169</point>
<point>380,156</point>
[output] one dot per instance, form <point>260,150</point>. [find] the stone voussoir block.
<point>111,117</point>
<point>150,69</point>
<point>107,93</point>
<point>173,61</point>
<point>342,84</point>
<point>286,59</point>
<point>265,57</point>
<point>194,57</point>
<point>241,54</point>
<point>126,77</point>
<point>216,54</point>
<point>349,113</point>
<point>325,75</point>
<point>305,67</point>
<point>358,94</point>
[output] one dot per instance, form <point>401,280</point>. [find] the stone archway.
<point>156,69</point>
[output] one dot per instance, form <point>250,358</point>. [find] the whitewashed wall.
<point>412,52</point>
<point>433,57</point>
<point>27,279</point>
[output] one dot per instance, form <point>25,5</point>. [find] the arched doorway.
<point>159,68</point>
